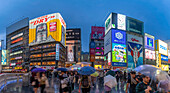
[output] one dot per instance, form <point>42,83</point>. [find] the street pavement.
<point>54,88</point>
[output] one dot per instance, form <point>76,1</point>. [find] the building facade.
<point>73,46</point>
<point>17,37</point>
<point>47,41</point>
<point>96,46</point>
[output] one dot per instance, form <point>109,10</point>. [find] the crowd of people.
<point>73,82</point>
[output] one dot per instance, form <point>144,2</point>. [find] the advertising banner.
<point>118,36</point>
<point>92,58</point>
<point>149,54</point>
<point>57,51</point>
<point>118,54</point>
<point>92,51</point>
<point>158,61</point>
<point>134,25</point>
<point>0,45</point>
<point>134,39</point>
<point>165,67</point>
<point>168,54</point>
<point>3,60</point>
<point>163,47</point>
<point>121,22</point>
<point>70,53</point>
<point>97,32</point>
<point>73,34</point>
<point>149,43</point>
<point>92,44</point>
<point>108,24</point>
<point>46,28</point>
<point>18,35</point>
<point>109,58</point>
<point>164,58</point>
<point>107,42</point>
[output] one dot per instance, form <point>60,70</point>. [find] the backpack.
<point>85,82</point>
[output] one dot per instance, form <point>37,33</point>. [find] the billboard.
<point>57,51</point>
<point>149,54</point>
<point>134,25</point>
<point>121,22</point>
<point>164,58</point>
<point>92,44</point>
<point>0,45</point>
<point>118,36</point>
<point>135,51</point>
<point>162,47</point>
<point>92,58</point>
<point>70,53</point>
<point>118,54</point>
<point>109,58</point>
<point>107,42</point>
<point>18,35</point>
<point>149,42</point>
<point>165,67</point>
<point>46,28</point>
<point>97,32</point>
<point>108,24</point>
<point>92,51</point>
<point>168,54</point>
<point>3,60</point>
<point>73,34</point>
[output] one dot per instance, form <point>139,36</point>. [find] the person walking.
<point>71,78</point>
<point>75,81</point>
<point>35,82</point>
<point>85,84</point>
<point>132,82</point>
<point>117,78</point>
<point>144,87</point>
<point>64,80</point>
<point>43,81</point>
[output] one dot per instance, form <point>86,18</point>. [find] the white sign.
<point>163,48</point>
<point>108,23</point>
<point>107,42</point>
<point>134,39</point>
<point>18,35</point>
<point>168,54</point>
<point>121,22</point>
<point>109,57</point>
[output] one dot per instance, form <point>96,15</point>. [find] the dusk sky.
<point>86,13</point>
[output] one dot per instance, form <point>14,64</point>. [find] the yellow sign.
<point>18,67</point>
<point>165,67</point>
<point>97,66</point>
<point>47,28</point>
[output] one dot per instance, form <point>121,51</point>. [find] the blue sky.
<point>86,13</point>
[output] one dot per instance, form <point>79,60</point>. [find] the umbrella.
<point>61,69</point>
<point>87,70</point>
<point>38,70</point>
<point>111,72</point>
<point>95,74</point>
<point>110,81</point>
<point>32,68</point>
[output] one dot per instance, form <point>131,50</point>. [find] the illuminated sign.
<point>57,51</point>
<point>73,34</point>
<point>121,22</point>
<point>149,54</point>
<point>18,35</point>
<point>92,58</point>
<point>164,58</point>
<point>17,40</point>
<point>18,67</point>
<point>162,47</point>
<point>3,60</point>
<point>107,42</point>
<point>18,52</point>
<point>109,58</point>
<point>0,45</point>
<point>165,67</point>
<point>92,51</point>
<point>118,36</point>
<point>168,54</point>
<point>97,66</point>
<point>134,39</point>
<point>149,43</point>
<point>97,32</point>
<point>118,54</point>
<point>46,28</point>
<point>134,25</point>
<point>108,23</point>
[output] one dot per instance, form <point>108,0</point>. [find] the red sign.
<point>17,40</point>
<point>92,58</point>
<point>97,32</point>
<point>168,60</point>
<point>92,51</point>
<point>53,26</point>
<point>42,19</point>
<point>133,39</point>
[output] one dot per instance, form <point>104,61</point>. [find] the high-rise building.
<point>17,37</point>
<point>73,46</point>
<point>96,46</point>
<point>47,41</point>
<point>85,57</point>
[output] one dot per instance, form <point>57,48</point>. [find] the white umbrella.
<point>110,81</point>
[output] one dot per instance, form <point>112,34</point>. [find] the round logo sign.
<point>119,35</point>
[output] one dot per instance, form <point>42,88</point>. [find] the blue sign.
<point>57,51</point>
<point>164,58</point>
<point>3,61</point>
<point>118,36</point>
<point>149,43</point>
<point>92,44</point>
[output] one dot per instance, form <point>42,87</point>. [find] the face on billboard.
<point>46,29</point>
<point>3,61</point>
<point>70,55</point>
<point>163,47</point>
<point>121,22</point>
<point>118,36</point>
<point>149,43</point>
<point>118,54</point>
<point>134,25</point>
<point>135,55</point>
<point>149,54</point>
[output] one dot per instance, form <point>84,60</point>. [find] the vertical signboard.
<point>70,55</point>
<point>108,24</point>
<point>107,42</point>
<point>135,51</point>
<point>57,51</point>
<point>121,22</point>
<point>118,36</point>
<point>109,58</point>
<point>3,60</point>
